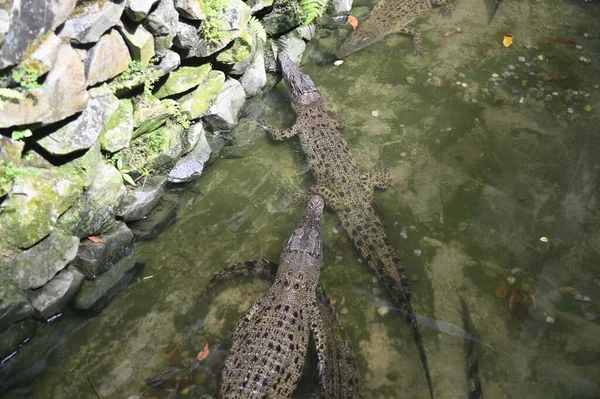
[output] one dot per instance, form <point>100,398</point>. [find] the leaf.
<point>544,239</point>
<point>203,354</point>
<point>97,239</point>
<point>128,179</point>
<point>508,40</point>
<point>19,134</point>
<point>119,163</point>
<point>353,21</point>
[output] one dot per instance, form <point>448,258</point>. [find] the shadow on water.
<point>488,153</point>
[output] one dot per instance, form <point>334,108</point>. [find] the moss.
<point>197,103</point>
<point>214,27</point>
<point>241,49</point>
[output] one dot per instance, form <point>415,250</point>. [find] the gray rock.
<point>108,58</point>
<point>190,166</point>
<point>38,197</point>
<point>94,295</point>
<point>163,20</point>
<point>35,267</point>
<point>257,5</point>
<point>10,150</point>
<point>92,21</point>
<point>4,25</point>
<point>83,132</point>
<point>53,297</point>
<point>182,80</point>
<point>117,132</point>
<point>234,20</point>
<point>63,94</point>
<point>190,9</point>
<point>222,115</point>
<point>44,56</point>
<point>307,32</point>
<point>293,45</point>
<point>31,19</point>
<point>139,41</point>
<point>92,256</point>
<point>156,150</point>
<point>13,337</point>
<point>192,135</point>
<point>163,216</point>
<point>281,19</point>
<point>139,202</point>
<point>197,103</point>
<point>255,76</point>
<point>94,212</point>
<point>162,44</point>
<point>148,116</point>
<point>13,305</point>
<point>339,7</point>
<point>187,36</point>
<point>139,9</point>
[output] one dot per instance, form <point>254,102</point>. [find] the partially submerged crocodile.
<point>345,189</point>
<point>271,339</point>
<point>391,16</point>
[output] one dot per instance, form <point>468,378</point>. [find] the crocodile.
<point>271,339</point>
<point>392,16</point>
<point>346,191</point>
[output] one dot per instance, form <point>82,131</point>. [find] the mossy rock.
<point>149,114</point>
<point>239,51</point>
<point>38,198</point>
<point>197,103</point>
<point>117,133</point>
<point>182,80</point>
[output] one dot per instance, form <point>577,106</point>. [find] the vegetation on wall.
<point>312,9</point>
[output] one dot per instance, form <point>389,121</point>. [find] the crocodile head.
<point>301,87</point>
<point>307,237</point>
<point>362,37</point>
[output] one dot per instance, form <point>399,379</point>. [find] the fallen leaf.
<point>97,239</point>
<point>353,21</point>
<point>501,291</point>
<point>203,354</point>
<point>544,239</point>
<point>508,40</point>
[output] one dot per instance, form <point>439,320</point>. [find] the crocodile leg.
<point>331,199</point>
<point>279,135</point>
<point>376,178</point>
<point>260,268</point>
<point>417,37</point>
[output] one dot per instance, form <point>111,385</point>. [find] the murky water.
<point>478,178</point>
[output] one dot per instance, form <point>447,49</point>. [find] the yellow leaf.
<point>544,239</point>
<point>508,40</point>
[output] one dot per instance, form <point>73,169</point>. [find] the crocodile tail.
<point>261,268</point>
<point>398,287</point>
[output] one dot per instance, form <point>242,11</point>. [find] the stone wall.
<point>102,104</point>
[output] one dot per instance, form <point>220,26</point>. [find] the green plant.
<point>311,9</point>
<point>136,74</point>
<point>214,28</point>
<point>258,28</point>
<point>26,77</point>
<point>118,162</point>
<point>9,173</point>
<point>176,115</point>
<point>19,134</point>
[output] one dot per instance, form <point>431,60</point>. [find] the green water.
<point>476,184</point>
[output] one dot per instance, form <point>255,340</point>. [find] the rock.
<point>255,76</point>
<point>108,58</point>
<point>162,44</point>
<point>92,20</point>
<point>118,130</point>
<point>139,9</point>
<point>257,5</point>
<point>192,135</point>
<point>281,19</point>
<point>139,202</point>
<point>163,20</point>
<point>94,295</point>
<point>233,21</point>
<point>13,305</point>
<point>94,212</point>
<point>44,56</point>
<point>197,103</point>
<point>10,150</point>
<point>163,216</point>
<point>182,80</point>
<point>169,62</point>
<point>341,7</point>
<point>30,20</point>
<point>223,113</point>
<point>139,41</point>
<point>63,94</point>
<point>92,256</point>
<point>15,335</point>
<point>35,267</point>
<point>4,25</point>
<point>190,166</point>
<point>155,150</point>
<point>149,116</point>
<point>83,132</point>
<point>38,198</point>
<point>53,297</point>
<point>293,45</point>
<point>239,51</point>
<point>307,32</point>
<point>187,36</point>
<point>190,9</point>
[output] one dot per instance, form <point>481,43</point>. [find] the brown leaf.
<point>97,239</point>
<point>203,354</point>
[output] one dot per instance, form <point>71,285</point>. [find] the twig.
<point>92,386</point>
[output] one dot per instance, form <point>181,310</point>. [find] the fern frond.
<point>311,9</point>
<point>11,94</point>
<point>258,28</point>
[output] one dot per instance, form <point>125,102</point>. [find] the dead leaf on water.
<point>508,40</point>
<point>203,354</point>
<point>501,291</point>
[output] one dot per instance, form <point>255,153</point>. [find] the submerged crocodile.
<point>392,16</point>
<point>345,189</point>
<point>270,341</point>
